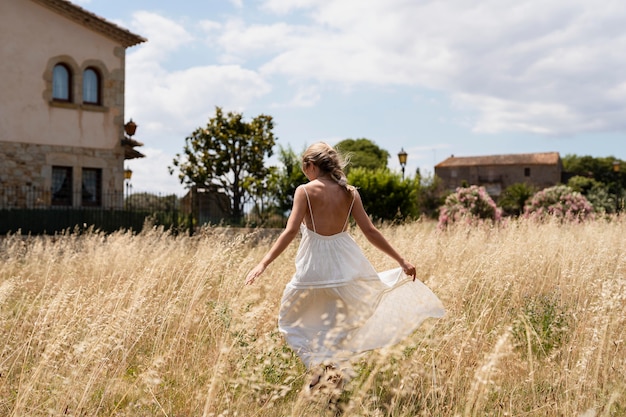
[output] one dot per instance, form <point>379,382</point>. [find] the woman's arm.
<point>376,238</point>
<point>291,230</point>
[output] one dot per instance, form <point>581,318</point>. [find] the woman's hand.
<point>408,268</point>
<point>254,274</point>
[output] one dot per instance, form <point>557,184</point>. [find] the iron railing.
<point>29,210</point>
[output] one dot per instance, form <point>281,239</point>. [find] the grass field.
<point>160,325</point>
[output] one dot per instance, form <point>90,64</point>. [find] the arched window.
<point>91,86</point>
<point>61,83</point>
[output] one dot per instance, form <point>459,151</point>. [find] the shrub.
<point>429,199</point>
<point>561,202</point>
<point>514,198</point>
<point>596,192</point>
<point>469,204</point>
<point>385,195</point>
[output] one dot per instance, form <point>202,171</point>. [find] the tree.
<point>600,169</point>
<point>226,152</point>
<point>363,153</point>
<point>608,171</point>
<point>262,193</point>
<point>289,179</point>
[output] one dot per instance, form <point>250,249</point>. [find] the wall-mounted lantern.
<point>130,128</point>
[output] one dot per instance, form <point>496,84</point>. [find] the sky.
<point>433,77</point>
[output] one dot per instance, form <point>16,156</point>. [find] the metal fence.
<point>28,210</point>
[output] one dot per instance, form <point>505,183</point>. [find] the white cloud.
<point>498,115</point>
<point>169,104</point>
<point>240,42</point>
<point>187,94</point>
<point>540,66</point>
<point>305,96</point>
<point>164,37</point>
<point>546,67</point>
<point>286,6</point>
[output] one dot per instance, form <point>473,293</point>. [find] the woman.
<point>337,306</point>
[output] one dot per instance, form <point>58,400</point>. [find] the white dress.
<point>337,306</point>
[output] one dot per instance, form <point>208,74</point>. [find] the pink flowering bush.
<point>560,202</point>
<point>471,205</point>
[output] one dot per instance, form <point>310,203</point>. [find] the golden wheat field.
<point>152,324</point>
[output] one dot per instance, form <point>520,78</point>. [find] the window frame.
<point>89,88</point>
<point>62,194</point>
<point>68,88</point>
<point>96,201</point>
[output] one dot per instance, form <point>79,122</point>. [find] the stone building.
<point>62,139</point>
<point>497,172</point>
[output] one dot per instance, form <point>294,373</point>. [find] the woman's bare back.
<point>330,204</point>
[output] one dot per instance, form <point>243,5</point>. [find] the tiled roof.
<point>545,158</point>
<point>92,21</point>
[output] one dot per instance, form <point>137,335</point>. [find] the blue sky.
<point>435,77</point>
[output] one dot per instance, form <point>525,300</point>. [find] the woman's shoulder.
<point>354,191</point>
<point>304,188</point>
<point>313,187</point>
<point>300,193</point>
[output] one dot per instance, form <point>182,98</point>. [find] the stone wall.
<point>497,178</point>
<point>26,173</point>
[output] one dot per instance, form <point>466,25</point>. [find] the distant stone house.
<point>62,83</point>
<point>497,172</point>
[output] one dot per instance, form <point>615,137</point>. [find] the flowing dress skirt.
<point>337,306</point>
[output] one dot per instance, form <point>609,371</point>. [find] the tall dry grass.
<point>160,325</point>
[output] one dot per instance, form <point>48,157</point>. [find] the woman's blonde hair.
<point>328,160</point>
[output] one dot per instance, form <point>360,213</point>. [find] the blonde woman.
<point>337,306</point>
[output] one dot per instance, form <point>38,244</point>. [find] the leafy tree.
<point>609,171</point>
<point>600,169</point>
<point>262,193</point>
<point>363,154</point>
<point>514,198</point>
<point>385,195</point>
<point>226,152</point>
<point>289,179</point>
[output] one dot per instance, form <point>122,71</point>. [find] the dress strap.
<point>310,211</point>
<point>349,212</point>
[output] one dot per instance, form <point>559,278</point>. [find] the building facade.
<point>62,140</point>
<point>497,172</point>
